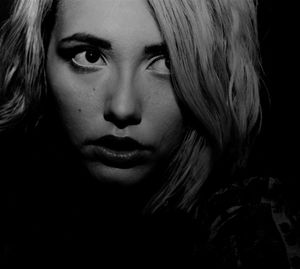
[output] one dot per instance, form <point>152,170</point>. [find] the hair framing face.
<point>22,72</point>
<point>213,51</point>
<point>214,54</point>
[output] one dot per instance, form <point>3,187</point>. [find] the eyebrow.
<point>88,38</point>
<point>156,49</point>
<point>153,49</point>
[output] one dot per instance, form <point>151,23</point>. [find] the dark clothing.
<point>253,224</point>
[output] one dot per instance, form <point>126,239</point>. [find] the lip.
<point>119,152</point>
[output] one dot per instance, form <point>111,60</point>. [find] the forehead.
<point>112,19</point>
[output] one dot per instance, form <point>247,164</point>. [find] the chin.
<point>119,176</point>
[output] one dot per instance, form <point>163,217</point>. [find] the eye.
<point>160,65</point>
<point>89,58</point>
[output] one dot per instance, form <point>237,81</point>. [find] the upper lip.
<point>118,143</point>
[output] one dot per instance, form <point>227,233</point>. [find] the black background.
<point>277,148</point>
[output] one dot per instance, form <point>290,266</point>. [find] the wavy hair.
<point>213,49</point>
<point>22,63</point>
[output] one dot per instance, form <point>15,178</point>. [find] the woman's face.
<point>107,68</point>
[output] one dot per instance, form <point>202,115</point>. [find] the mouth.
<point>118,152</point>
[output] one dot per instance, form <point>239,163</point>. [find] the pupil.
<point>92,56</point>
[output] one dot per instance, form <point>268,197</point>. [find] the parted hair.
<point>214,55</point>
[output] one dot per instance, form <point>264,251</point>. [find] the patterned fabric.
<point>252,225</point>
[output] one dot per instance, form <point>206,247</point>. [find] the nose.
<point>122,107</point>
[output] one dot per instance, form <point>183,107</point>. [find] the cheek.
<point>171,130</point>
<point>74,102</point>
<point>165,117</point>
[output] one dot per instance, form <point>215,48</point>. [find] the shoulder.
<point>252,222</point>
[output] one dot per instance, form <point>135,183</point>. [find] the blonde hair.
<point>213,50</point>
<point>22,72</point>
<point>213,47</point>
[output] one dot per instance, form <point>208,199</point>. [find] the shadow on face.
<point>107,67</point>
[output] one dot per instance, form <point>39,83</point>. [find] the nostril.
<point>122,121</point>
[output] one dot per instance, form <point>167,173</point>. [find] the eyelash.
<point>71,52</point>
<point>161,57</point>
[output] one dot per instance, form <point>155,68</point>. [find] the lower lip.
<point>118,159</point>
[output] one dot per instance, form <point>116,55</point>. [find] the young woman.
<point>125,126</point>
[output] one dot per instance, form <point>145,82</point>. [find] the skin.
<point>126,92</point>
